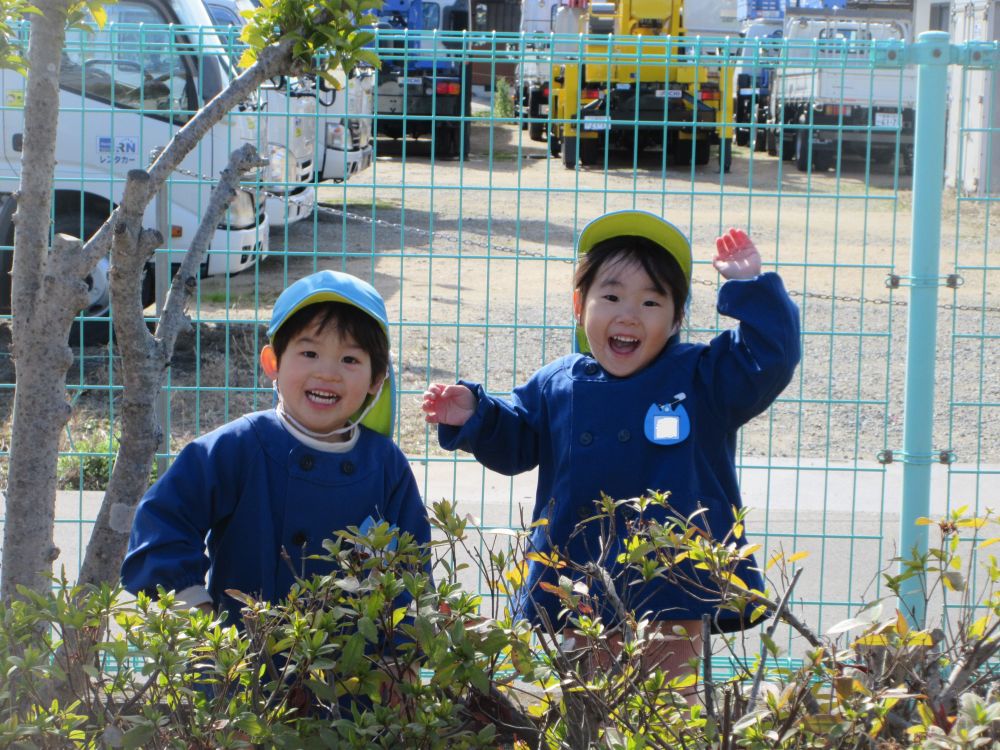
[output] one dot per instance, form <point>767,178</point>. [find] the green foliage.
<point>503,98</point>
<point>12,46</point>
<point>87,464</point>
<point>327,34</point>
<point>375,655</point>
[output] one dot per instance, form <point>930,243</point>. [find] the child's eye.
<point>611,297</point>
<point>350,360</point>
<point>651,303</point>
<point>308,353</point>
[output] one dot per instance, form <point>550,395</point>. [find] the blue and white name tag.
<point>667,424</point>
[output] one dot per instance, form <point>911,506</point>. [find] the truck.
<point>761,21</point>
<point>300,108</point>
<point>423,87</point>
<point>682,107</point>
<point>125,89</point>
<point>830,100</point>
<point>533,71</point>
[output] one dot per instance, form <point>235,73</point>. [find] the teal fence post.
<point>932,53</point>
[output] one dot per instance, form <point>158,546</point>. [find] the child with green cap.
<point>634,410</point>
<point>280,481</point>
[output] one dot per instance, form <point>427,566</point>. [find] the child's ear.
<point>269,362</point>
<point>377,385</point>
<point>577,305</point>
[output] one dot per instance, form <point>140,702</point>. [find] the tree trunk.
<point>145,358</point>
<point>40,327</point>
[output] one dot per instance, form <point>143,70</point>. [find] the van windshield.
<point>132,62</point>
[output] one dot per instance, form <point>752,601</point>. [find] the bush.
<point>376,656</point>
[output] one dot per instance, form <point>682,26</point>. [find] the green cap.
<point>636,224</point>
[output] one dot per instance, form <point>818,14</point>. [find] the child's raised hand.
<point>448,404</point>
<point>736,257</point>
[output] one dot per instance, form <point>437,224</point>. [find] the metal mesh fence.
<point>461,204</point>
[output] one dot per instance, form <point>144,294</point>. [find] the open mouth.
<point>326,398</point>
<point>623,344</point>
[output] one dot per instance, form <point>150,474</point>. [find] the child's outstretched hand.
<point>736,257</point>
<point>448,404</point>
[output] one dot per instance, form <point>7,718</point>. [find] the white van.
<point>299,110</point>
<point>108,75</point>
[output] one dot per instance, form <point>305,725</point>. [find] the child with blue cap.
<point>281,481</point>
<point>635,410</point>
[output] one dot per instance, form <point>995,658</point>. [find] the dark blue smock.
<point>584,430</point>
<point>234,497</point>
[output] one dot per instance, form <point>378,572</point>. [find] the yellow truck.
<point>662,88</point>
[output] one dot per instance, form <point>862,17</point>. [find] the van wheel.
<point>591,151</point>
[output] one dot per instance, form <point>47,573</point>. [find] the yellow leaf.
<point>747,551</point>
<point>977,628</point>
<point>738,531</point>
<point>902,626</point>
<point>732,578</point>
<point>798,556</point>
<point>540,522</point>
<point>549,561</point>
<point>872,640</point>
<point>758,613</point>
<point>775,558</point>
<point>925,714</point>
<point>919,638</point>
<point>988,542</point>
<point>517,574</point>
<point>976,523</point>
<point>924,521</point>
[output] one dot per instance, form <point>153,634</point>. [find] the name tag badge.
<point>667,424</point>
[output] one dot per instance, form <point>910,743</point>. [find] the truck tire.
<point>445,141</point>
<point>760,142</point>
<point>569,152</point>
<point>725,156</point>
<point>742,137</point>
<point>536,128</point>
<point>702,152</point>
<point>802,144</point>
<point>771,142</point>
<point>590,151</point>
<point>555,145</point>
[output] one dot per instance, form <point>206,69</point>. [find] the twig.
<point>706,664</point>
<point>778,614</point>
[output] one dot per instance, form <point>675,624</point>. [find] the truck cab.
<point>534,71</point>
<point>424,87</point>
<point>125,89</point>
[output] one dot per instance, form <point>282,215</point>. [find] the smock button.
<point>586,438</point>
<point>591,368</point>
<point>347,467</point>
<point>624,436</point>
<point>299,539</point>
<point>306,462</point>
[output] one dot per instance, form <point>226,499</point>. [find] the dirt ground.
<point>474,260</point>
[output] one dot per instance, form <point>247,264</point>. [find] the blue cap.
<point>335,286</point>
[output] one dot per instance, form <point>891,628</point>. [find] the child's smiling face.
<point>627,320</point>
<point>323,378</point>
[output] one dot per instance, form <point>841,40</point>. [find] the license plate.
<point>669,93</point>
<point>416,81</point>
<point>596,123</point>
<point>887,120</point>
